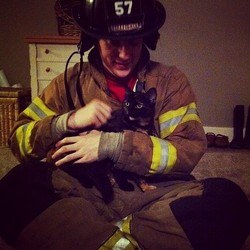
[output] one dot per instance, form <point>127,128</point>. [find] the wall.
<point>209,40</point>
<point>18,20</point>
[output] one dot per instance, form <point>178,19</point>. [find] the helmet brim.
<point>149,27</point>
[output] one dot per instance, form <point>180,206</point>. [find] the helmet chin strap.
<point>80,51</point>
<point>68,95</point>
<point>78,86</point>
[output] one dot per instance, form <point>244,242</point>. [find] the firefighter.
<point>47,208</point>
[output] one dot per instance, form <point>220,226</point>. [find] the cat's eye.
<point>126,104</point>
<point>139,106</point>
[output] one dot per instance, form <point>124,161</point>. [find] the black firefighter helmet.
<point>119,19</point>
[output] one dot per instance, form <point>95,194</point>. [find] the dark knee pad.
<point>217,187</point>
<point>218,219</point>
<point>25,192</point>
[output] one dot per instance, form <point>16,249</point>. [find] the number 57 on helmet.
<point>113,19</point>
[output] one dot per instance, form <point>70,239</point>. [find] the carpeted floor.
<point>228,163</point>
<point>7,161</point>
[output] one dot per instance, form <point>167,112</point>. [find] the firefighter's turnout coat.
<point>180,140</point>
<point>134,219</point>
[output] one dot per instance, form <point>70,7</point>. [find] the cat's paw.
<point>146,187</point>
<point>127,187</point>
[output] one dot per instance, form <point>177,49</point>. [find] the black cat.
<point>137,114</point>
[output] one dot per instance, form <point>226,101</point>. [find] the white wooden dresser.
<point>48,57</point>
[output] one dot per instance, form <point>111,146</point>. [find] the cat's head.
<point>139,106</point>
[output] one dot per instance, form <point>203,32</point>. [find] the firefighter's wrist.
<point>59,126</point>
<point>110,146</point>
<point>71,124</point>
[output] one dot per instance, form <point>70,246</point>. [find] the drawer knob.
<point>47,69</point>
<point>47,51</point>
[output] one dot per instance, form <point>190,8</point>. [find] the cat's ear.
<point>140,87</point>
<point>152,95</point>
<point>127,93</point>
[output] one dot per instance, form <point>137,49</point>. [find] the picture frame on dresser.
<point>48,56</point>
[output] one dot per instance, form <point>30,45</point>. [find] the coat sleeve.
<point>31,136</point>
<point>181,139</point>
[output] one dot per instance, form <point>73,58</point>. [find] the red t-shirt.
<point>117,90</point>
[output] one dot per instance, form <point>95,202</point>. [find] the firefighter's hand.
<point>78,149</point>
<point>93,115</point>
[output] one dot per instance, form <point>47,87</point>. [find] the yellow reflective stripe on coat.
<point>171,119</point>
<point>37,110</point>
<point>23,134</point>
<point>164,156</point>
<point>124,226</point>
<point>122,238</point>
<point>117,241</point>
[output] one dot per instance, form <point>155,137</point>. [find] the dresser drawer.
<point>49,70</point>
<point>48,57</point>
<point>55,53</point>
